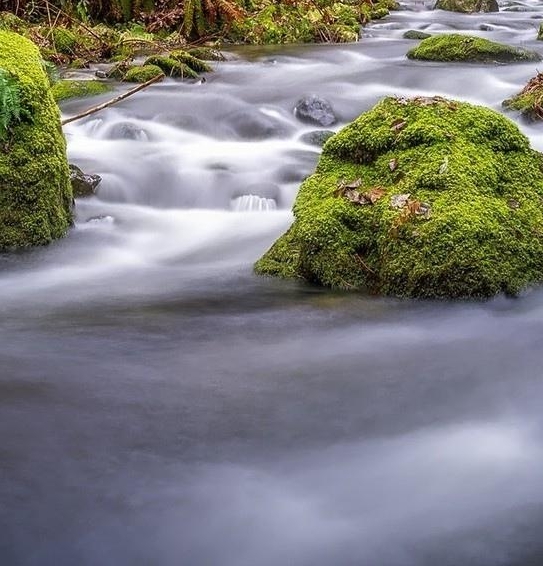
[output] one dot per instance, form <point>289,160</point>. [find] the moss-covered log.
<point>35,191</point>
<point>421,197</point>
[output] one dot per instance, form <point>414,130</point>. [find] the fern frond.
<point>188,16</point>
<point>10,103</point>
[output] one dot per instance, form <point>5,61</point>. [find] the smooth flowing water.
<point>161,405</point>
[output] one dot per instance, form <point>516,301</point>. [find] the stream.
<point>162,405</point>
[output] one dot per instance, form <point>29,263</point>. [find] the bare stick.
<point>113,101</point>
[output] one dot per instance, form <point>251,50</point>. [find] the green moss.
<point>197,65</point>
<point>467,6</point>
<point>78,89</point>
<point>472,225</point>
<point>35,191</point>
<point>206,54</point>
<point>64,40</point>
<point>142,74</point>
<point>540,32</point>
<point>10,22</point>
<point>455,47</point>
<point>171,67</point>
<point>529,101</point>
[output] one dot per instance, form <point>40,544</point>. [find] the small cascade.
<point>252,203</point>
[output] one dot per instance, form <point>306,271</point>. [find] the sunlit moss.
<point>78,89</point>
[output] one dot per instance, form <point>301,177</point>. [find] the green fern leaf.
<point>10,103</point>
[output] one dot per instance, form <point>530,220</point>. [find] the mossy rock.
<point>207,54</point>
<point>456,47</point>
<point>171,67</point>
<point>540,32</point>
<point>64,40</point>
<point>142,74</point>
<point>422,197</point>
<point>67,88</point>
<point>467,6</point>
<point>197,65</point>
<point>10,22</point>
<point>35,192</point>
<point>416,34</point>
<point>529,101</point>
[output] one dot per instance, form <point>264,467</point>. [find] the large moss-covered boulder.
<point>467,6</point>
<point>422,197</point>
<point>456,47</point>
<point>35,191</point>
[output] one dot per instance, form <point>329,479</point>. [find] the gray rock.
<point>315,110</point>
<point>317,137</point>
<point>83,185</point>
<point>415,34</point>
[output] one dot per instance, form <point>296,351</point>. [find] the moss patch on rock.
<point>142,74</point>
<point>35,191</point>
<point>67,88</point>
<point>529,101</point>
<point>467,6</point>
<point>172,67</point>
<point>423,197</point>
<point>456,47</point>
<point>197,65</point>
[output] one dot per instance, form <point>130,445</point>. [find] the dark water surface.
<point>161,405</point>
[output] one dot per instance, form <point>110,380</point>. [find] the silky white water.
<point>160,404</point>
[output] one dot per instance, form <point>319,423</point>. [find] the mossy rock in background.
<point>68,88</point>
<point>529,101</point>
<point>540,32</point>
<point>142,74</point>
<point>64,40</point>
<point>207,54</point>
<point>197,65</point>
<point>467,6</point>
<point>422,197</point>
<point>10,22</point>
<point>35,191</point>
<point>456,47</point>
<point>172,67</point>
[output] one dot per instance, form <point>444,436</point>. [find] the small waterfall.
<point>252,203</point>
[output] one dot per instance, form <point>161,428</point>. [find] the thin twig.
<point>113,101</point>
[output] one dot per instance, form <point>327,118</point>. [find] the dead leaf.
<point>399,201</point>
<point>398,125</point>
<point>393,164</point>
<point>374,194</point>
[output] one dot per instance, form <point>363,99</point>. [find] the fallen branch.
<point>113,101</point>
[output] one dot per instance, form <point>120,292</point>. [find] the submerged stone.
<point>35,191</point>
<point>456,47</point>
<point>317,137</point>
<point>413,199</point>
